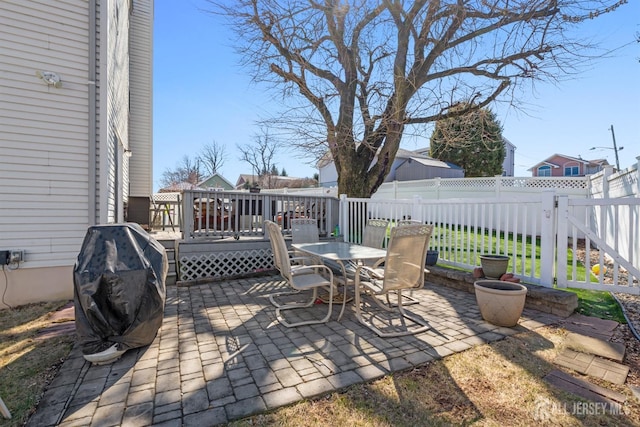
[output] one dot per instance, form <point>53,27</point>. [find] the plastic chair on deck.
<point>403,270</point>
<point>304,230</point>
<point>375,232</point>
<point>299,277</point>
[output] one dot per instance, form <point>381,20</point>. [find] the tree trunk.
<point>353,180</point>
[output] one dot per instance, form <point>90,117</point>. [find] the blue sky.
<point>201,94</point>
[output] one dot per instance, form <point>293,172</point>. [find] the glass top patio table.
<point>341,252</point>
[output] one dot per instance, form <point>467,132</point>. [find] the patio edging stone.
<point>548,300</point>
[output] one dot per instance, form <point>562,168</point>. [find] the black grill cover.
<point>119,288</point>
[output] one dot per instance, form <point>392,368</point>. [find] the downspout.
<point>92,113</point>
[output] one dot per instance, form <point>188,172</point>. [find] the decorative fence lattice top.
<point>451,188</point>
<point>166,197</point>
<point>493,182</point>
<point>609,184</point>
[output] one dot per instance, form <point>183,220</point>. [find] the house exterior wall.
<point>410,171</point>
<point>508,165</point>
<point>59,146</point>
<point>114,137</point>
<point>141,89</point>
<point>562,163</point>
<point>43,130</point>
<point>328,175</point>
<point>216,181</point>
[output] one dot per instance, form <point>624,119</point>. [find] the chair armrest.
<point>374,273</point>
<point>378,262</point>
<point>301,258</point>
<point>314,267</point>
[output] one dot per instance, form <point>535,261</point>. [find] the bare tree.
<point>187,170</point>
<point>363,73</point>
<point>212,157</point>
<point>260,156</point>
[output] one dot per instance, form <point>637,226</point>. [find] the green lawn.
<point>465,245</point>
<point>598,304</point>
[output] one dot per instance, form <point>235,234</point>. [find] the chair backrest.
<point>408,222</point>
<point>375,232</point>
<point>406,256</point>
<point>279,249</point>
<point>304,230</point>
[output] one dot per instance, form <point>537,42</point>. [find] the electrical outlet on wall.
<point>16,256</point>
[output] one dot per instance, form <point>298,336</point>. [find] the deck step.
<point>172,274</point>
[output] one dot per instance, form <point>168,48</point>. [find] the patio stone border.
<point>548,300</point>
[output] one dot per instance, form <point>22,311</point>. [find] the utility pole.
<point>615,147</point>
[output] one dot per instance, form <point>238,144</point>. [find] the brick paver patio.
<point>221,355</point>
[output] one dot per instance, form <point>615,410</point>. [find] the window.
<point>544,171</point>
<point>571,171</point>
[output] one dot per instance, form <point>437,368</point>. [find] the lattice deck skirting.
<point>223,260</point>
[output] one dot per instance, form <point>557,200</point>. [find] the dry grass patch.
<point>489,385</point>
<point>28,364</point>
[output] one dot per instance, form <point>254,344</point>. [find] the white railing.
<point>211,214</point>
<point>607,231</point>
<point>465,229</point>
<point>546,243</point>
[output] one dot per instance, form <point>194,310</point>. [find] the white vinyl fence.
<point>542,240</point>
<point>464,229</point>
<point>487,187</point>
<point>612,231</point>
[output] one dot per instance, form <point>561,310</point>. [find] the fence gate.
<point>598,244</point>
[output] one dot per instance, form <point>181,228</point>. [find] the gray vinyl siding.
<point>117,108</point>
<point>140,125</point>
<point>97,201</point>
<point>43,129</point>
<point>413,171</point>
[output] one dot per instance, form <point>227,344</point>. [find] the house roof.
<point>216,180</point>
<point>431,162</point>
<point>275,181</point>
<point>507,142</point>
<point>242,178</point>
<point>401,154</point>
<point>180,186</point>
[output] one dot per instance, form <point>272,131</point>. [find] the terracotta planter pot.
<point>494,266</point>
<point>501,303</point>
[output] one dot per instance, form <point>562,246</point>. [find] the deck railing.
<point>217,214</point>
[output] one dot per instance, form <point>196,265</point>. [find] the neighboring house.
<point>420,166</point>
<point>562,165</point>
<point>180,187</point>
<point>75,132</point>
<point>245,180</point>
<point>216,181</point>
<point>410,165</point>
<point>508,165</point>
